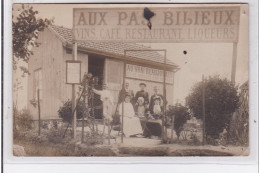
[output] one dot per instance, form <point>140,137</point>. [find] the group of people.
<point>141,102</point>
<point>132,107</point>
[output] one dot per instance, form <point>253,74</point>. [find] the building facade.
<point>103,59</point>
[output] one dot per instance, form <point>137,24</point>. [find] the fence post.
<point>203,109</point>
<point>172,128</point>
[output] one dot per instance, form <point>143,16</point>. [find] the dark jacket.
<point>123,93</point>
<point>152,99</point>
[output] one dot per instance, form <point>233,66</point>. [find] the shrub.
<point>116,119</point>
<point>65,111</point>
<point>44,125</point>
<point>55,136</point>
<point>194,139</point>
<point>55,124</point>
<point>23,119</point>
<point>221,100</point>
<point>94,138</point>
<point>181,115</point>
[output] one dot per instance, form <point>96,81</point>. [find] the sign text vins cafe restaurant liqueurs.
<point>172,24</point>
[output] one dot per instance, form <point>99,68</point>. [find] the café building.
<point>103,59</point>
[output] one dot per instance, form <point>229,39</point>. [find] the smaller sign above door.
<point>146,73</point>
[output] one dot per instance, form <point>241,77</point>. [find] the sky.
<point>201,58</point>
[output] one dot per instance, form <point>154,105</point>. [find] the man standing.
<point>108,102</point>
<point>142,93</point>
<point>126,91</point>
<point>155,96</point>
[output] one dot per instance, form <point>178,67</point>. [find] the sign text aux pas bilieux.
<point>174,24</point>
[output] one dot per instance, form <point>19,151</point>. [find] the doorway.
<point>96,68</point>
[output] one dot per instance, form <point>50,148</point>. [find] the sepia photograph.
<point>130,80</point>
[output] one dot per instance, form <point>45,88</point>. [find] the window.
<point>114,72</point>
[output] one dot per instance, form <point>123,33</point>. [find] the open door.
<point>114,77</point>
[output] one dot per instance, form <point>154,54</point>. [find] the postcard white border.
<point>253,84</point>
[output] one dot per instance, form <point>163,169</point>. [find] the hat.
<point>127,94</point>
<point>142,84</point>
<point>157,98</point>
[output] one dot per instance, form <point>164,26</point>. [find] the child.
<point>131,123</point>
<point>140,109</point>
<point>157,110</point>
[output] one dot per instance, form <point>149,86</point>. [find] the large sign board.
<point>169,24</point>
<point>149,74</point>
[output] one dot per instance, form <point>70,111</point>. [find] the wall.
<point>66,89</point>
<point>51,57</point>
<point>114,70</point>
<point>48,57</point>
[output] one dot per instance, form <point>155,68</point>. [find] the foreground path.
<point>130,147</point>
<point>153,147</point>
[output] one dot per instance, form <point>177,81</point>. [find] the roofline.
<point>57,34</point>
<point>67,44</point>
<point>121,57</point>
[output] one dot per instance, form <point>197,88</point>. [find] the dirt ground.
<point>136,146</point>
<point>131,147</point>
<point>143,146</point>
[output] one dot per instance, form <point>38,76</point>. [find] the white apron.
<point>131,123</point>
